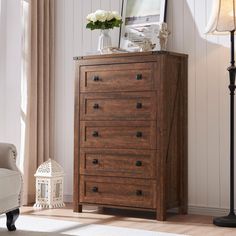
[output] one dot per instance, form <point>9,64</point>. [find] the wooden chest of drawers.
<point>130,142</point>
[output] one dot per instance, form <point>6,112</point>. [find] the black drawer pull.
<point>139,192</point>
<point>96,78</point>
<point>139,134</point>
<point>95,134</point>
<point>95,189</point>
<point>139,163</point>
<point>95,106</point>
<point>95,161</point>
<point>139,77</point>
<point>139,105</point>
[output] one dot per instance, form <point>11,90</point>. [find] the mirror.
<point>141,23</point>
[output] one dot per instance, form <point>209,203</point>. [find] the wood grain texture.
<point>122,77</point>
<point>118,106</point>
<point>76,143</point>
<point>118,191</point>
<point>118,134</point>
<point>118,162</point>
<point>124,144</point>
<point>194,225</point>
<point>182,141</point>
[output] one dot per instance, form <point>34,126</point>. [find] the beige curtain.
<point>39,87</point>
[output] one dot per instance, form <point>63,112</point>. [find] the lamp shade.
<point>222,19</point>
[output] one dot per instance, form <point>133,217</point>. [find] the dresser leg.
<point>80,209</point>
<point>183,209</point>
<point>161,216</point>
<point>77,208</point>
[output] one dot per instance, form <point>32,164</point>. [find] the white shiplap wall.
<point>208,94</point>
<point>10,71</point>
<point>2,65</point>
<point>72,39</point>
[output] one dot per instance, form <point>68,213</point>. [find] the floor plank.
<point>193,225</point>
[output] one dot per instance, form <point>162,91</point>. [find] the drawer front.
<point>118,163</point>
<point>118,134</point>
<point>122,77</point>
<point>128,106</point>
<point>118,191</point>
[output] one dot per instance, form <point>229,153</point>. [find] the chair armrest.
<point>8,155</point>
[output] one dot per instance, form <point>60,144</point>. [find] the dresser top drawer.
<point>118,77</point>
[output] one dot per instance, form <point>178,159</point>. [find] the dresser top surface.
<point>129,54</point>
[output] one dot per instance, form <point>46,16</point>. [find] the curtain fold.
<point>39,79</point>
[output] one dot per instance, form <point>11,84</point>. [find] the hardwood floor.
<point>193,225</point>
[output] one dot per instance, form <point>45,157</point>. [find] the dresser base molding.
<point>158,216</point>
<point>117,207</point>
<point>192,210</point>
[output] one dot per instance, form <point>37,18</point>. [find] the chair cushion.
<point>10,183</point>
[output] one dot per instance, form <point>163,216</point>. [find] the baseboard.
<point>194,210</point>
<point>209,211</point>
<point>68,198</point>
<point>28,199</point>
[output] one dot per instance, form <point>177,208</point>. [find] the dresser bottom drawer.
<point>118,191</point>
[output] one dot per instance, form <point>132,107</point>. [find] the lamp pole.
<point>230,220</point>
<point>232,71</point>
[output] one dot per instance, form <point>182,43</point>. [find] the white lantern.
<point>49,185</point>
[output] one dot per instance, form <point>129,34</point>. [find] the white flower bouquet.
<point>104,20</point>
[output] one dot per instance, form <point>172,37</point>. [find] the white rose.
<point>91,17</point>
<point>101,15</point>
<point>116,15</point>
<point>110,15</point>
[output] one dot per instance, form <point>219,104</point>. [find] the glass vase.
<point>104,41</point>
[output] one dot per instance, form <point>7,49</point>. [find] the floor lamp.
<point>223,21</point>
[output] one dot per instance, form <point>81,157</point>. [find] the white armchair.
<point>10,185</point>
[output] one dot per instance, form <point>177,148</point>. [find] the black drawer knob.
<point>139,163</point>
<point>139,135</point>
<point>95,189</point>
<point>95,134</point>
<point>96,78</point>
<point>139,193</point>
<point>95,106</point>
<point>139,105</point>
<point>139,77</point>
<point>95,161</point>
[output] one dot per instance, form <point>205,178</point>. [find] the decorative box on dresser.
<point>130,140</point>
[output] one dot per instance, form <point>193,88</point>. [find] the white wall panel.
<point>3,10</point>
<point>60,123</point>
<point>201,104</point>
<point>95,33</point>
<point>189,48</point>
<point>72,39</point>
<point>13,73</point>
<point>213,128</point>
<point>208,94</point>
<point>224,123</point>
<point>10,71</point>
